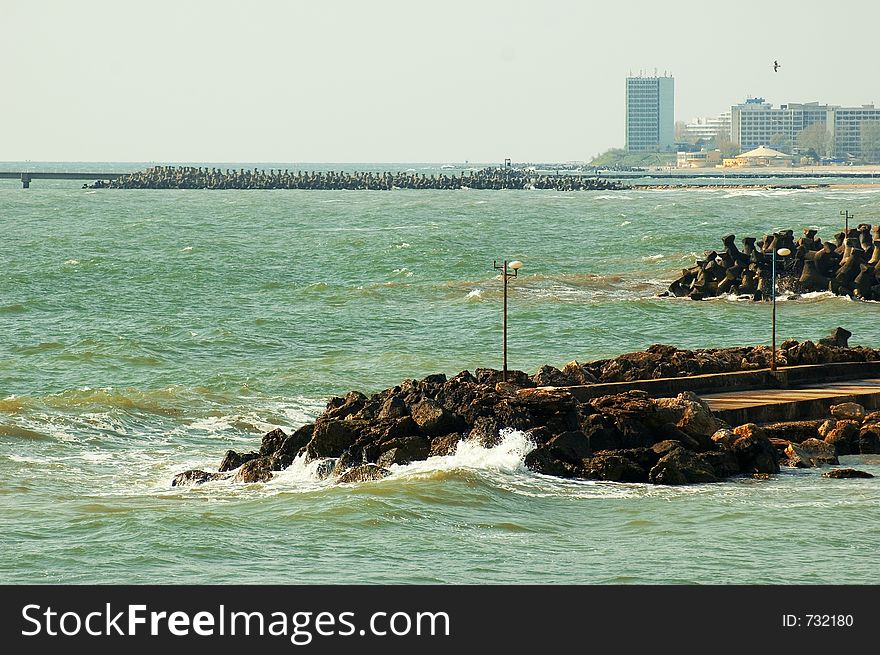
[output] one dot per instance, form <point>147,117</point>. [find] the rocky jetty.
<point>625,437</point>
<point>846,266</point>
<point>190,177</point>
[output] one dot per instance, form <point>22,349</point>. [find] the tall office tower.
<point>649,114</point>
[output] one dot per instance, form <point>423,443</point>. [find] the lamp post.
<point>506,274</point>
<point>782,252</point>
<point>846,216</point>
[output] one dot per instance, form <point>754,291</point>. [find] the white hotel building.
<point>757,123</point>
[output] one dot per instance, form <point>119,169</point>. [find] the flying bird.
<point>775,66</point>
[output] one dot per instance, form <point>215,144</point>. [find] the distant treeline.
<point>189,177</point>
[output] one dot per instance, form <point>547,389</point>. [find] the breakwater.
<point>619,437</point>
<point>846,266</point>
<point>189,177</point>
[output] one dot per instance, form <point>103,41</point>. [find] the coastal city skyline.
<point>395,81</point>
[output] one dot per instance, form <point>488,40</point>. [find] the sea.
<point>144,333</point>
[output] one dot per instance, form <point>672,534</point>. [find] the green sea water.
<point>143,333</point>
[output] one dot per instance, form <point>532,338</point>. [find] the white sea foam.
<point>72,262</point>
<point>653,258</point>
<point>187,249</point>
<point>626,223</point>
<point>475,294</point>
<point>405,272</point>
<point>507,457</point>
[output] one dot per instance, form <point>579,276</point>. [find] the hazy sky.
<point>397,81</point>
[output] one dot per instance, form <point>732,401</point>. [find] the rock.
<point>445,445</point>
<point>339,408</point>
<point>723,462</point>
<point>844,437</point>
<point>364,473</point>
<point>541,460</point>
<point>827,426</point>
<point>485,432</point>
<point>795,431</point>
<point>325,468</point>
<point>723,438</point>
<point>271,442</point>
<point>433,419</point>
<point>578,374</point>
<point>689,413</point>
<point>255,470</point>
<point>839,337</point>
<point>404,450</point>
<point>602,432</point>
<point>613,468</point>
<point>572,447</point>
<point>671,431</point>
<point>393,407</point>
<point>330,438</point>
<point>753,450</point>
<point>869,439</point>
<point>232,460</point>
<point>810,453</point>
<point>550,376</point>
<point>761,476</point>
<point>872,417</point>
<point>846,473</point>
<point>681,466</point>
<point>291,447</point>
<point>190,478</point>
<point>848,411</point>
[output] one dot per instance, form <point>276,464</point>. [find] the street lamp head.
<point>783,252</point>
<point>515,265</point>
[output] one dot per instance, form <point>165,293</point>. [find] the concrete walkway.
<point>813,401</point>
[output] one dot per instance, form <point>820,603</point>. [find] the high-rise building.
<point>757,123</point>
<point>649,114</point>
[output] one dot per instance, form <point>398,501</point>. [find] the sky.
<point>400,80</point>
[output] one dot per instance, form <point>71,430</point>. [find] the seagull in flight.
<point>775,66</point>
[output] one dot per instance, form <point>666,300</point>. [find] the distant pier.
<point>26,177</point>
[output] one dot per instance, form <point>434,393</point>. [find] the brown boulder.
<point>271,441</point>
<point>445,445</point>
<point>795,431</point>
<point>404,450</point>
<point>869,439</point>
<point>232,460</point>
<point>256,470</point>
<point>844,437</point>
<point>572,447</point>
<point>723,438</point>
<point>433,419</point>
<point>810,453</point>
<point>602,432</point>
<point>393,407</point>
<point>363,473</point>
<point>848,411</point>
<point>578,374</point>
<point>485,432</point>
<point>330,438</point>
<point>612,467</point>
<point>190,478</point>
<point>339,408</point>
<point>681,466</point>
<point>827,426</point>
<point>291,447</point>
<point>542,460</point>
<point>846,473</point>
<point>550,376</point>
<point>753,450</point>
